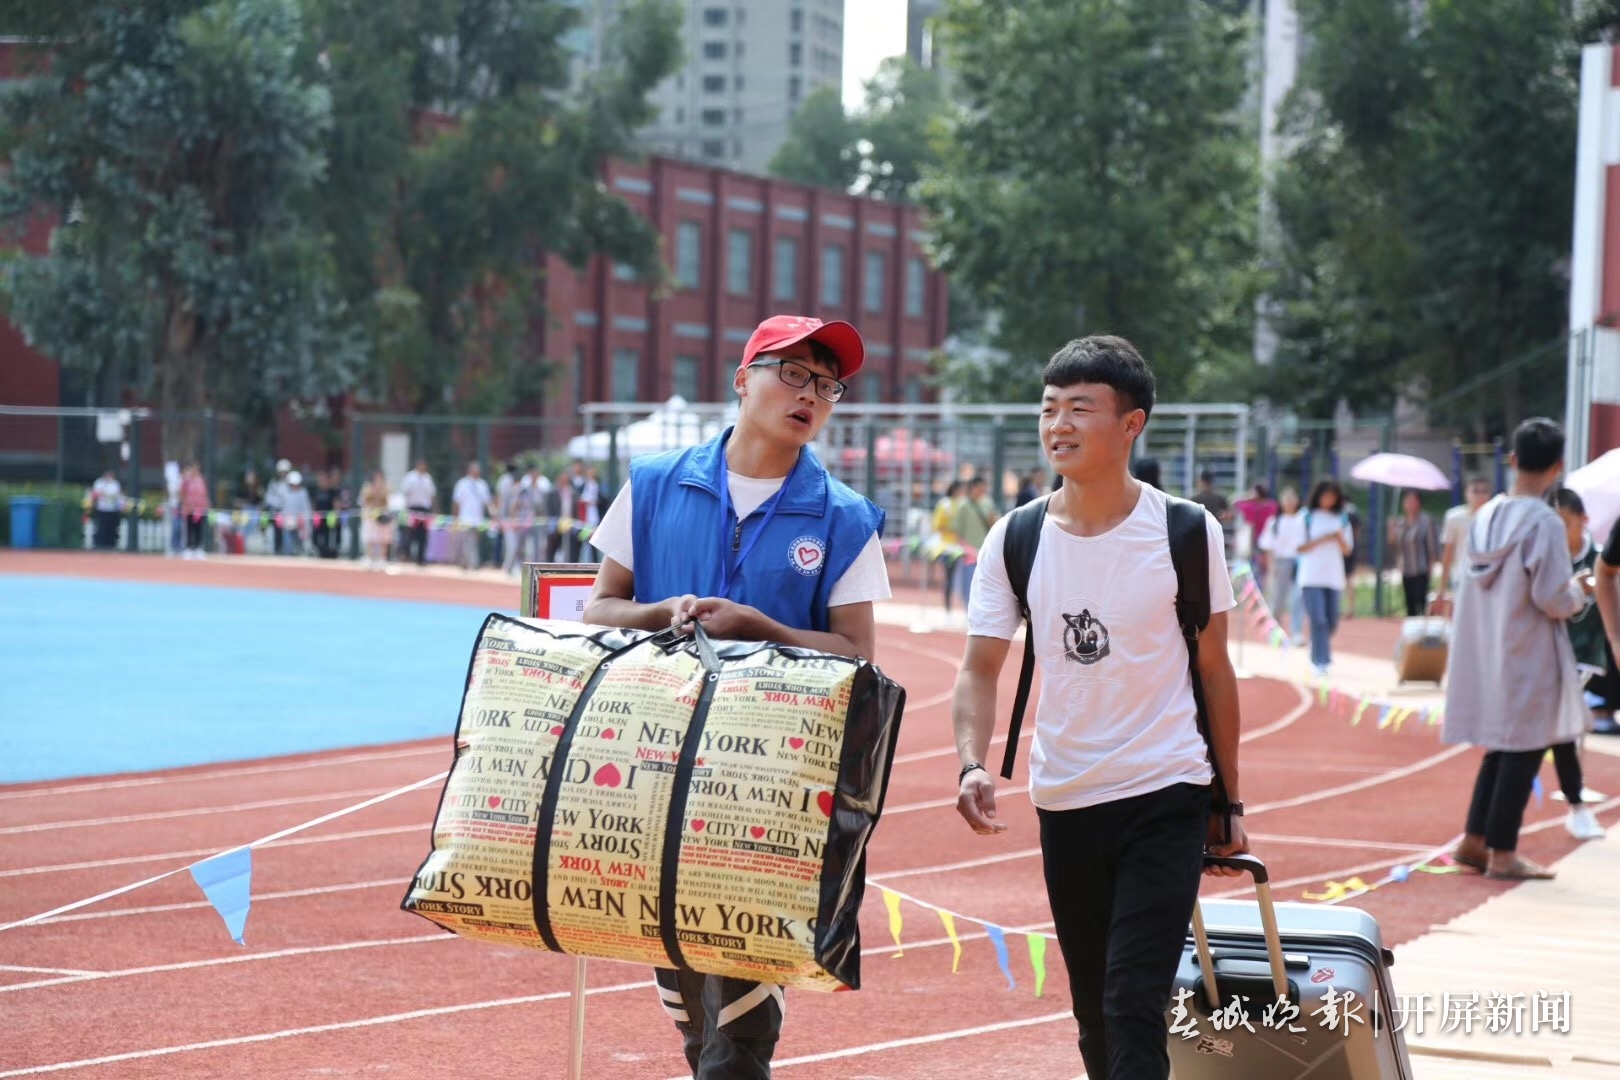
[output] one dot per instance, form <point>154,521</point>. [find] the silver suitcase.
<point>1329,962</point>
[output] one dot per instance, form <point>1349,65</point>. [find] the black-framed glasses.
<point>798,376</point>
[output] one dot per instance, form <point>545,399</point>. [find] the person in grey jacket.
<point>1512,687</point>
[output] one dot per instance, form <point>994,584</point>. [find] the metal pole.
<point>576,1024</point>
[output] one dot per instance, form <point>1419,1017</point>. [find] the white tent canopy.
<point>672,426</point>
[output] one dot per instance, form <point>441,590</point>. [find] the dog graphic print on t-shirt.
<point>1085,638</point>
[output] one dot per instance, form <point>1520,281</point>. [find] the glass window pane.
<point>688,254</point>
<point>740,262</point>
<point>832,275</point>
<point>786,269</point>
<point>876,282</point>
<point>626,375</point>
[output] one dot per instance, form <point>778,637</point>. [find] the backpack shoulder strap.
<point>1022,537</point>
<point>1189,554</point>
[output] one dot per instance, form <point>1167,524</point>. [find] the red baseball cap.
<point>780,331</point>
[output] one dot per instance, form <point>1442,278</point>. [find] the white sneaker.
<point>1582,824</point>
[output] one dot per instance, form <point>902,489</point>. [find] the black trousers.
<point>1501,792</point>
<point>416,533</point>
<point>1122,878</point>
<point>729,1027</point>
<point>1417,593</point>
<point>106,534</point>
<point>1567,760</point>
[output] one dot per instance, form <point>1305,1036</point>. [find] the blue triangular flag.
<point>1535,787</point>
<point>225,880</point>
<point>999,939</point>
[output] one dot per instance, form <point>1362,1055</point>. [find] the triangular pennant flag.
<point>1037,960</point>
<point>998,938</point>
<point>1322,694</point>
<point>1535,788</point>
<point>956,945</point>
<point>225,880</point>
<point>892,902</point>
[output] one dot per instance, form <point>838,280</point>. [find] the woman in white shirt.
<point>1280,539</point>
<point>1326,539</point>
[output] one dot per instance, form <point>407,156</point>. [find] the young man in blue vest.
<point>1119,772</point>
<point>750,536</point>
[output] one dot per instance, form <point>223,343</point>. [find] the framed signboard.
<point>557,590</point>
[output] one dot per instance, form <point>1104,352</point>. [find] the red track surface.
<point>336,981</point>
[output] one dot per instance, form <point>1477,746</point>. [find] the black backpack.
<point>1189,554</point>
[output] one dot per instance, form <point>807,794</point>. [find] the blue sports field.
<point>100,676</point>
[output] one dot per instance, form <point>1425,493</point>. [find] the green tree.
<point>1098,176</point>
<point>1426,205</point>
<point>180,150</point>
<point>820,148</point>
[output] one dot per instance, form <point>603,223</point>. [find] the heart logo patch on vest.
<point>807,554</point>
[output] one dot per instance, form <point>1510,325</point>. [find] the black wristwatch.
<point>1231,809</point>
<point>969,767</point>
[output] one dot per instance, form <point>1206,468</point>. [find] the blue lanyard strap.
<point>730,566</point>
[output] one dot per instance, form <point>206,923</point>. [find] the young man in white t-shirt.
<point>1119,772</point>
<point>469,501</point>
<point>713,548</point>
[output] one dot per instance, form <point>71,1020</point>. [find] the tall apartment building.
<point>920,31</point>
<point>748,66</point>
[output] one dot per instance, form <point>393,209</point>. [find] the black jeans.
<point>416,533</point>
<point>1567,760</point>
<point>1122,878</point>
<point>1417,593</point>
<point>729,1027</point>
<point>1501,792</point>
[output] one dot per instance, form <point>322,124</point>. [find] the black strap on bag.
<point>1189,555</point>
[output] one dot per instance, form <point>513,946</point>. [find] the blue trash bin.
<point>25,520</point>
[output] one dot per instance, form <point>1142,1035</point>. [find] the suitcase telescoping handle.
<point>1268,924</point>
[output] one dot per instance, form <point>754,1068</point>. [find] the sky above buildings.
<point>873,30</point>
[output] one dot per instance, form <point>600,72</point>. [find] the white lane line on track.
<point>258,898</point>
<point>223,774</point>
<point>1359,785</point>
<point>44,970</point>
<point>915,1040</point>
<point>128,860</point>
<point>237,958</point>
<point>318,1029</point>
<point>196,811</point>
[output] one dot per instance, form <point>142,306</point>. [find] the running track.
<point>336,981</point>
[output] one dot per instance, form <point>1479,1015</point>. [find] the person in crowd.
<point>588,507</point>
<point>1280,541</point>
<point>173,477</point>
<point>376,523</point>
<point>1119,773</point>
<point>1417,549</point>
<point>1255,512</point>
<point>1352,522</point>
<point>944,523</point>
<point>469,502</point>
<point>1591,661</point>
<point>525,500</point>
<point>973,520</point>
<point>330,500</point>
<point>511,474</point>
<point>297,512</point>
<point>107,510</point>
<point>1512,687</point>
<point>1454,539</point>
<point>553,506</point>
<point>1605,692</point>
<point>419,491</point>
<point>248,502</point>
<point>275,501</point>
<point>1326,538</point>
<point>1030,488</point>
<point>1211,499</point>
<point>1145,469</point>
<point>771,548</point>
<point>194,506</point>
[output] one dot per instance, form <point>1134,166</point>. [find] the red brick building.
<point>741,248</point>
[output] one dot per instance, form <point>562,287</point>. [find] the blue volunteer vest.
<point>681,545</point>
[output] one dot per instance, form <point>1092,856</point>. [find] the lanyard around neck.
<point>732,552</point>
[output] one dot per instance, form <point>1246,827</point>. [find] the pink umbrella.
<point>1598,485</point>
<point>1401,471</point>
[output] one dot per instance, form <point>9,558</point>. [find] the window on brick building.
<point>740,262</point>
<point>785,269</point>
<point>876,283</point>
<point>832,275</point>
<point>915,278</point>
<point>626,375</point>
<point>689,255</point>
<point>687,377</point>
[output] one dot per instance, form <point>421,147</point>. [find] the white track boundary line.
<point>129,860</point>
<point>318,1029</point>
<point>196,811</point>
<point>194,905</point>
<point>44,970</point>
<point>915,1040</point>
<point>1361,785</point>
<point>219,774</point>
